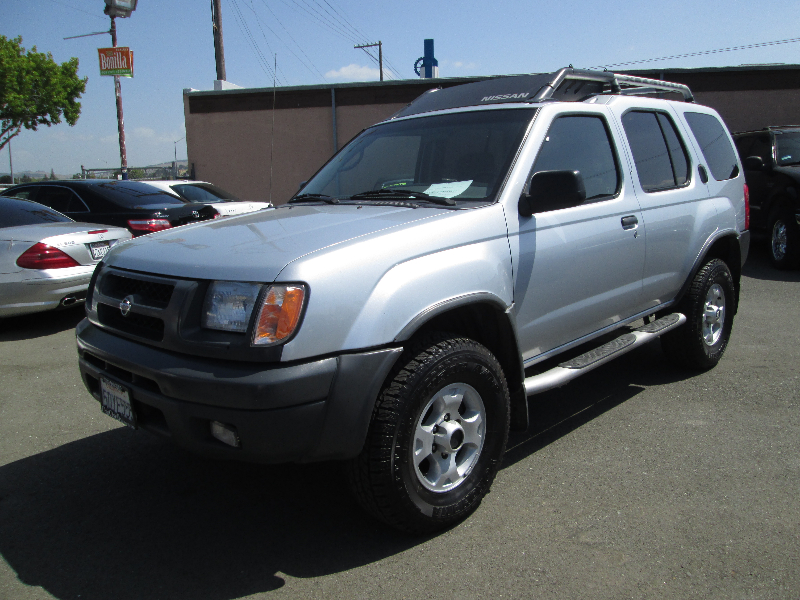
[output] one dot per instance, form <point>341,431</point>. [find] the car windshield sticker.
<point>448,190</point>
<point>786,157</point>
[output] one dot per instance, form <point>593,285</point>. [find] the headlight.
<point>229,304</point>
<point>279,314</point>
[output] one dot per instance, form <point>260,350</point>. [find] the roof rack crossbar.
<point>639,85</point>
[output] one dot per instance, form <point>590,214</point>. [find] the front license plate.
<point>99,249</point>
<point>115,401</point>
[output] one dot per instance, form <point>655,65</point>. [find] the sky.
<point>312,42</point>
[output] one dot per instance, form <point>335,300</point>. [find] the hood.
<point>258,246</point>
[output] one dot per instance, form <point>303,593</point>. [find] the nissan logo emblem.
<point>125,305</point>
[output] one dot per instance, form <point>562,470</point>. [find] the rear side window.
<point>581,143</point>
<point>714,144</point>
<point>202,193</point>
<point>61,199</point>
<point>659,154</point>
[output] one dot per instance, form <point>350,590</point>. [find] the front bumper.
<point>304,412</point>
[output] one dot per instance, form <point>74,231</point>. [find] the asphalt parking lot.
<point>637,481</point>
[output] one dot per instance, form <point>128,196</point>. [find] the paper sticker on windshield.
<point>786,157</point>
<point>448,190</point>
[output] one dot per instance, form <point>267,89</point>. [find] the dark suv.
<point>136,205</point>
<point>771,160</point>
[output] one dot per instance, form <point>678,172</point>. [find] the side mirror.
<point>753,163</point>
<point>552,190</point>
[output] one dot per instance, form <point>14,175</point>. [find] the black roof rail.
<point>567,84</point>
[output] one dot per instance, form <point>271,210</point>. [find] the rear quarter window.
<point>714,144</point>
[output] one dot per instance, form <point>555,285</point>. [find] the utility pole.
<point>380,54</point>
<point>10,162</point>
<point>123,155</point>
<point>219,50</point>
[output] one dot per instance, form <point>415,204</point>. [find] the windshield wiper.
<point>393,193</point>
<point>314,197</point>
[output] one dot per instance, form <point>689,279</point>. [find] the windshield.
<point>14,212</point>
<point>203,192</point>
<point>463,157</point>
<point>788,146</point>
<point>137,194</point>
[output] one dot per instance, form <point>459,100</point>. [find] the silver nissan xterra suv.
<point>396,313</point>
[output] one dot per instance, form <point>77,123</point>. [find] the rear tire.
<point>437,436</point>
<point>784,236</point>
<point>709,306</point>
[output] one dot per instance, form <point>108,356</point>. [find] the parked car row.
<point>140,206</point>
<point>54,233</point>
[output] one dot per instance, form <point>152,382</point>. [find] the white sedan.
<point>225,203</point>
<point>46,258</point>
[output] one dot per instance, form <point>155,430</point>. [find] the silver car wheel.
<point>779,240</point>
<point>713,314</point>
<point>448,437</point>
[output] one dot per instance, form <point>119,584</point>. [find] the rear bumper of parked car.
<point>309,411</point>
<point>32,291</point>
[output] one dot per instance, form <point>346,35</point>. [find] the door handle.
<point>630,222</point>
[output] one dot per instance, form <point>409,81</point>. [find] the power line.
<point>312,68</point>
<point>265,66</point>
<point>702,53</point>
<point>78,9</point>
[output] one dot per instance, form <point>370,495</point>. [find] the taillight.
<point>149,225</point>
<point>42,256</point>
<point>98,231</point>
<point>746,207</point>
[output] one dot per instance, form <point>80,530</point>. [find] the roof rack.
<point>566,85</point>
<point>633,85</point>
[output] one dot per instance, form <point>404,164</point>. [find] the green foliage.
<point>35,90</point>
<point>5,178</point>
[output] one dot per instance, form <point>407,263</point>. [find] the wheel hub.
<point>448,437</point>
<point>713,315</point>
<point>779,240</point>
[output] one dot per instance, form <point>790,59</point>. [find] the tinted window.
<point>28,193</point>
<point>658,152</point>
<point>581,143</point>
<point>61,199</point>
<point>714,144</point>
<point>21,212</point>
<point>787,146</point>
<point>136,194</point>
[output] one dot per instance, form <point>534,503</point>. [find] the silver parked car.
<point>46,258</point>
<point>401,308</point>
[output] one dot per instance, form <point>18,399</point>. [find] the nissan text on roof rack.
<point>397,313</point>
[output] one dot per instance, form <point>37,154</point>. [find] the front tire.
<point>709,306</point>
<point>438,433</point>
<point>784,235</point>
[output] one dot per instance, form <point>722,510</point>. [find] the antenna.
<point>272,134</point>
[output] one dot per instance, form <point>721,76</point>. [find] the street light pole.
<point>120,121</point>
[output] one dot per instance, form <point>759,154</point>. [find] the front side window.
<point>660,156</point>
<point>581,143</point>
<point>787,146</point>
<point>714,144</point>
<point>462,156</point>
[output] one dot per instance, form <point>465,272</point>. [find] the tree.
<point>35,90</point>
<point>52,175</point>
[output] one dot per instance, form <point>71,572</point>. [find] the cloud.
<point>354,72</point>
<point>459,65</point>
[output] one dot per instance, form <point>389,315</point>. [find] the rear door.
<point>678,213</point>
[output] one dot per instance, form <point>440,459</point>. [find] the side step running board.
<point>572,369</point>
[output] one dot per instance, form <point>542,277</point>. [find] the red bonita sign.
<point>116,61</point>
